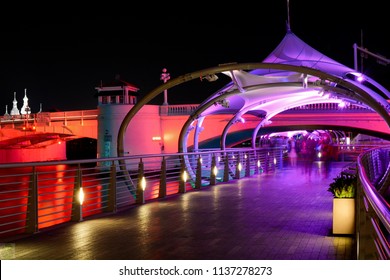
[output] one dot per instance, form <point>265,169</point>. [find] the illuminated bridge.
<point>43,133</point>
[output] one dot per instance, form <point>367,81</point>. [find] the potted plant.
<point>343,189</point>
<point>343,186</point>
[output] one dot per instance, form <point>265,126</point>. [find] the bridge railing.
<point>38,195</point>
<point>187,109</point>
<point>45,118</point>
<point>373,207</point>
<point>329,107</point>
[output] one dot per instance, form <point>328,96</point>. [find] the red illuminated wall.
<point>51,152</point>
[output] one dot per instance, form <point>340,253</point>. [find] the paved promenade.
<point>276,216</point>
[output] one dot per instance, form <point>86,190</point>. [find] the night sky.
<point>61,52</point>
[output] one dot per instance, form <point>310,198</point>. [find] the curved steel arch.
<point>370,101</point>
<point>366,99</point>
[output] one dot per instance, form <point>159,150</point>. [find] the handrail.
<point>377,202</point>
<point>373,210</point>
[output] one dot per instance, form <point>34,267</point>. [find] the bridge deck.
<point>284,215</point>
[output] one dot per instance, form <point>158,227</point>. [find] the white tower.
<point>25,109</point>
<point>6,111</point>
<point>15,110</point>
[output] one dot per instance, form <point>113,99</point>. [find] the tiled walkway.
<point>277,216</point>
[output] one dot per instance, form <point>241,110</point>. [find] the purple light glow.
<point>360,78</point>
<point>342,104</point>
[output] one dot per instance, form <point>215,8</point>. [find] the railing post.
<point>78,198</point>
<point>226,168</point>
<point>248,165</point>
<point>213,170</point>
<point>238,167</point>
<point>266,163</point>
<point>258,165</point>
<point>32,205</point>
<point>198,182</point>
<point>162,192</point>
<point>280,166</point>
<point>112,189</point>
<point>183,177</point>
<point>140,199</point>
<point>271,161</point>
<point>65,119</point>
<point>82,118</point>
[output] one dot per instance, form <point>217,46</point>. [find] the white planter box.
<point>343,215</point>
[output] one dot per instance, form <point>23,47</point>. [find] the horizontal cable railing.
<point>373,204</point>
<point>38,195</point>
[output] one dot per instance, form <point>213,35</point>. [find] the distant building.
<point>115,99</point>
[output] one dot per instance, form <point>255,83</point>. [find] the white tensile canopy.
<point>293,75</point>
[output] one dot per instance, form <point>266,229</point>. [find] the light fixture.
<point>240,119</point>
<point>143,183</point>
<point>210,77</point>
<point>215,171</point>
<point>341,104</point>
<point>81,196</point>
<point>184,176</point>
<point>304,81</point>
<point>224,103</point>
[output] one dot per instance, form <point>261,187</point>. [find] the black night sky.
<point>61,52</point>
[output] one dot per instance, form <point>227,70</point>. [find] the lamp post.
<point>165,77</point>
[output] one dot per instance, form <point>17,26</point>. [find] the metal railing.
<point>38,195</point>
<point>373,208</point>
<point>350,152</point>
<point>34,196</point>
